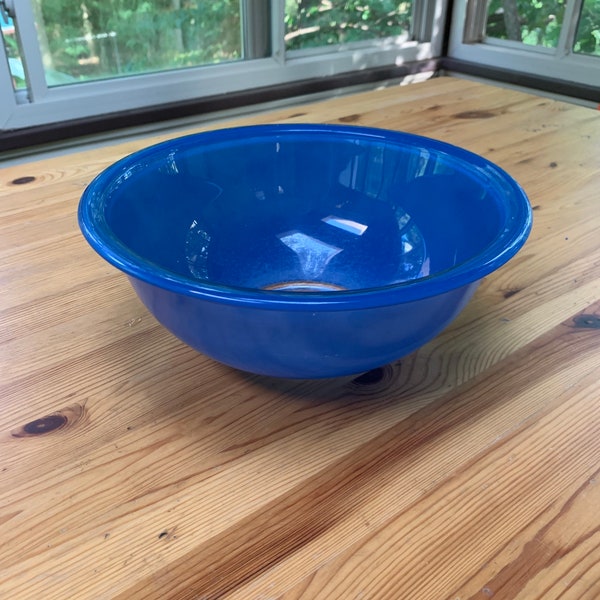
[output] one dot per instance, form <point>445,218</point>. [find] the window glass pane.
<point>587,40</point>
<point>13,52</point>
<point>95,39</point>
<point>311,23</point>
<point>529,21</point>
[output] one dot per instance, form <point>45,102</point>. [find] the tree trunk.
<point>177,31</point>
<point>511,20</point>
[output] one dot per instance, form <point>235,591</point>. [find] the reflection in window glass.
<point>95,39</point>
<point>11,45</point>
<point>587,39</point>
<point>313,23</point>
<point>532,22</point>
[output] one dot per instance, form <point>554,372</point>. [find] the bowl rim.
<point>502,248</point>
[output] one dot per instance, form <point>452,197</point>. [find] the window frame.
<point>43,105</point>
<point>468,43</point>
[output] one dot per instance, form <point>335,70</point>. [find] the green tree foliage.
<point>311,23</point>
<point>539,23</point>
<point>103,38</point>
<point>587,40</point>
<point>97,38</point>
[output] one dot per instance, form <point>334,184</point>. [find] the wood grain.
<point>132,467</point>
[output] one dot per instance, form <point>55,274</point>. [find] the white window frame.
<point>469,43</point>
<point>46,105</point>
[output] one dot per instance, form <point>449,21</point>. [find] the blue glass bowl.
<point>305,250</point>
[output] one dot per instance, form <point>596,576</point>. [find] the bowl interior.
<point>303,210</point>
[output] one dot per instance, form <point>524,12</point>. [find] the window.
<point>71,59</point>
<point>533,22</point>
<point>82,41</point>
<point>316,24</point>
<point>557,40</point>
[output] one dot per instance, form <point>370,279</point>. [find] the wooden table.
<point>132,467</point>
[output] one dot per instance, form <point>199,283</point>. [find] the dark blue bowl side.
<point>303,344</point>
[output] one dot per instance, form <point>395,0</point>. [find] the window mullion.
<point>475,21</point>
<point>256,28</point>
<point>423,18</point>
<point>278,30</point>
<point>569,27</point>
<point>30,50</point>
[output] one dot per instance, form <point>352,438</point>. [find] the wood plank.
<point>133,467</point>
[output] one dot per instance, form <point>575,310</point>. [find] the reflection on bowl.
<point>305,250</point>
